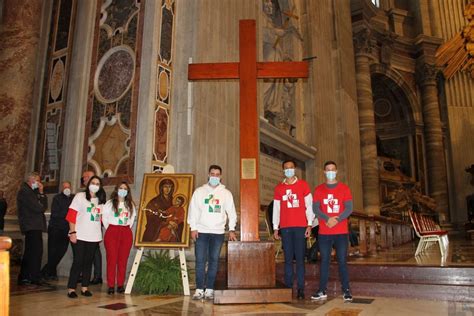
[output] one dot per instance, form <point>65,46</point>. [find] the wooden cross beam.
<point>248,70</point>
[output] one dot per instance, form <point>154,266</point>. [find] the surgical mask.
<point>67,192</point>
<point>289,173</point>
<point>331,175</point>
<point>94,188</point>
<point>34,185</point>
<point>214,181</point>
<point>122,193</point>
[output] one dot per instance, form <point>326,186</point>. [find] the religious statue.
<point>278,35</point>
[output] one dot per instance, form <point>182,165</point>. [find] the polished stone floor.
<point>52,300</point>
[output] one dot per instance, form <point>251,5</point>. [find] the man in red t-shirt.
<point>332,204</point>
<point>293,217</point>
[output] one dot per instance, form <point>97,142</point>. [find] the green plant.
<point>158,274</point>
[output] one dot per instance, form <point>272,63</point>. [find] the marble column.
<point>368,144</point>
<point>20,34</point>
<point>435,155</point>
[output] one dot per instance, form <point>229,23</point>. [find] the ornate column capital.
<point>426,74</point>
<point>363,44</point>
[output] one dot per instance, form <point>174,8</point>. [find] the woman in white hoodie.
<point>211,205</point>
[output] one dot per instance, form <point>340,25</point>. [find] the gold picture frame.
<point>163,210</point>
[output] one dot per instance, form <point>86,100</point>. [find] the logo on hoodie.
<point>213,204</point>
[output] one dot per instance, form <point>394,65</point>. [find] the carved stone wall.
<point>164,86</point>
<point>53,107</point>
<point>109,147</point>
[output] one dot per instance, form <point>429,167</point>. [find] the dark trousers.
<point>294,246</point>
<point>58,241</point>
<point>31,261</point>
<point>83,254</point>
<point>340,243</point>
<point>97,263</point>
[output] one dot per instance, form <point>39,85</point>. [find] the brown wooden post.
<point>5,244</point>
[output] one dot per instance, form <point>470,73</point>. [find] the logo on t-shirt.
<point>291,199</point>
<point>332,204</point>
<point>94,213</point>
<point>122,216</point>
<point>213,204</point>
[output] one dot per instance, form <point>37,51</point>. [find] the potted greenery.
<point>158,274</point>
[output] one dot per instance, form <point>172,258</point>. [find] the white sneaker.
<point>199,294</point>
<point>209,294</point>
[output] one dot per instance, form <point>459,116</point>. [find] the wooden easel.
<point>168,169</point>
<point>136,263</point>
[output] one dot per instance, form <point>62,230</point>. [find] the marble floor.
<point>53,301</point>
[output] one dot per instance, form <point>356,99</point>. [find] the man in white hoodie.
<point>211,205</point>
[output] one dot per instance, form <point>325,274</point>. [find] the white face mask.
<point>34,185</point>
<point>214,181</point>
<point>331,175</point>
<point>94,188</point>
<point>122,193</point>
<point>67,192</point>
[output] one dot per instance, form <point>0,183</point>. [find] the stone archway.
<point>398,124</point>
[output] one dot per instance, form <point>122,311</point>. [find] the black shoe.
<point>120,289</point>
<point>111,291</point>
<point>86,293</point>
<point>72,295</point>
<point>347,296</point>
<point>40,283</point>
<point>24,282</point>
<point>300,294</point>
<point>95,281</point>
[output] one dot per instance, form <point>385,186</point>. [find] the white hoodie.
<point>209,209</point>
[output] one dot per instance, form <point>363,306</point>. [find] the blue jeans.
<point>294,246</point>
<point>207,249</point>
<point>340,243</point>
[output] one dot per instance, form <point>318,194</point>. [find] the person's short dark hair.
<point>329,162</point>
<point>286,161</point>
<point>215,167</point>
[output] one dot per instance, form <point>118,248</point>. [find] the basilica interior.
<point>130,88</point>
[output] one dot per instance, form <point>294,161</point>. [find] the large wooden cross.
<point>248,70</point>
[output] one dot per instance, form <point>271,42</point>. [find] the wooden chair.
<point>429,233</point>
<point>278,246</point>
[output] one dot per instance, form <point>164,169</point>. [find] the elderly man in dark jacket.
<point>32,204</point>
<point>58,228</point>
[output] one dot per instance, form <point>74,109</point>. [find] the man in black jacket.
<point>31,203</point>
<point>3,211</point>
<point>58,228</point>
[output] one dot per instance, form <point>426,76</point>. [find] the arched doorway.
<point>399,143</point>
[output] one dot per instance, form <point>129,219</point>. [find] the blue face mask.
<point>122,193</point>
<point>289,173</point>
<point>214,181</point>
<point>331,175</point>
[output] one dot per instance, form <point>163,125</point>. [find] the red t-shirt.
<point>331,202</point>
<point>292,204</point>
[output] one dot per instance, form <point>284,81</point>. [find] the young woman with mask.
<point>119,215</point>
<point>84,217</point>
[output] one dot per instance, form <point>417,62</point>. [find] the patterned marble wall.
<point>19,46</point>
<point>109,147</point>
<point>53,107</point>
<point>163,86</point>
